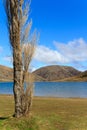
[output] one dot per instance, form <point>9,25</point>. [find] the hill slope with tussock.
<point>6,73</point>
<point>55,72</point>
<point>48,73</point>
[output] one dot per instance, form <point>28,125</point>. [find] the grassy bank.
<point>47,114</point>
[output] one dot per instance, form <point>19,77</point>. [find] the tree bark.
<point>22,101</point>
<point>17,59</point>
<point>18,86</point>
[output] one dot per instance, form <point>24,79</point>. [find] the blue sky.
<point>62,25</point>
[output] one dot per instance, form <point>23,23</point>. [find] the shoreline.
<point>49,98</point>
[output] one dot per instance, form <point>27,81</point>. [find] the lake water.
<point>52,89</point>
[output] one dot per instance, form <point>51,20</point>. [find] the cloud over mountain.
<point>73,51</point>
<point>47,55</point>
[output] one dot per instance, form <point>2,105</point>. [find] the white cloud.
<point>74,51</point>
<point>32,68</point>
<point>46,55</point>
<point>71,52</point>
<point>8,59</point>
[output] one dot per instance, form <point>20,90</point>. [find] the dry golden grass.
<point>47,114</point>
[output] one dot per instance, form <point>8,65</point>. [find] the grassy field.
<point>47,114</point>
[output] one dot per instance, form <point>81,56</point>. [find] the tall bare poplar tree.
<point>23,48</point>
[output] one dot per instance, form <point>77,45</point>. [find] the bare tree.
<point>23,47</point>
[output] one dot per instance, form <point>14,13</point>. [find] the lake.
<point>52,89</point>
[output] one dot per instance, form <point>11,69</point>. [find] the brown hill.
<point>49,73</point>
<point>81,77</point>
<point>6,73</point>
<point>56,73</point>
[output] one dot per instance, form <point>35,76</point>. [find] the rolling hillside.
<point>81,77</point>
<point>56,73</point>
<point>6,73</point>
<point>48,73</point>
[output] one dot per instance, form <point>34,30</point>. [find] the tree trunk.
<point>18,85</point>
<point>22,102</point>
<point>17,57</point>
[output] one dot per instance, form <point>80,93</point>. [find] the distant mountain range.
<point>48,73</point>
